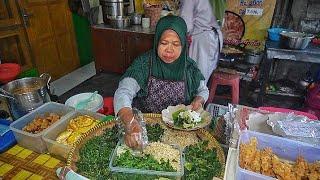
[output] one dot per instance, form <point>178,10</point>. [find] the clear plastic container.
<point>126,172</point>
<point>53,132</point>
<point>34,141</point>
<point>284,148</point>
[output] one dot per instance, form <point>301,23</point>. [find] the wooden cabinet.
<point>14,46</point>
<point>114,49</point>
<point>38,33</point>
<point>49,27</point>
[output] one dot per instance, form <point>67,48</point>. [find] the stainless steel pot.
<point>114,8</point>
<point>28,93</point>
<point>295,40</point>
<point>253,56</point>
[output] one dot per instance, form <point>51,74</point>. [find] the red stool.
<point>221,78</point>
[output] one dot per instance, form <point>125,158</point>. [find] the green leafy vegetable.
<point>201,163</point>
<point>146,162</point>
<point>186,118</point>
<point>94,155</point>
<point>177,121</point>
<point>155,132</point>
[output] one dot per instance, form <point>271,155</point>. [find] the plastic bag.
<point>298,128</point>
<point>139,137</point>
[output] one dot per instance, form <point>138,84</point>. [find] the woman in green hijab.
<point>164,76</point>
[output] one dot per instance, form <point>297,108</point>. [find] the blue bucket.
<point>274,33</point>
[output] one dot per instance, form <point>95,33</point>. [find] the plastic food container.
<point>274,33</point>
<point>53,132</point>
<point>34,141</point>
<point>145,173</point>
<point>95,105</point>
<point>284,148</point>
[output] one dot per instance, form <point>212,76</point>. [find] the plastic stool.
<point>221,78</point>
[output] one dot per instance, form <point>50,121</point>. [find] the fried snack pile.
<point>41,123</point>
<point>269,164</point>
<point>76,128</point>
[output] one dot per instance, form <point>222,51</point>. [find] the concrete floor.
<point>105,83</point>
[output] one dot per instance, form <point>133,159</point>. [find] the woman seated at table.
<point>159,78</point>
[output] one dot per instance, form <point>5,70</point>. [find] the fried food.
<point>76,128</point>
<point>247,153</point>
<point>256,163</point>
<point>41,123</point>
<point>267,163</point>
<point>301,167</point>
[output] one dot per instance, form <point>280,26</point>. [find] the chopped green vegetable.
<point>201,163</point>
<point>94,155</point>
<point>186,118</point>
<point>155,132</point>
<point>146,162</point>
<point>176,114</point>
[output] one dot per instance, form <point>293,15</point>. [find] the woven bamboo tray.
<point>150,118</point>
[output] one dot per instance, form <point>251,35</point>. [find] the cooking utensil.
<point>295,40</point>
<point>84,103</point>
<point>6,94</point>
<point>29,93</point>
<point>114,8</point>
<point>120,22</point>
<point>253,56</point>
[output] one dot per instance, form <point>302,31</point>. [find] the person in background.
<point>164,76</point>
<point>205,33</point>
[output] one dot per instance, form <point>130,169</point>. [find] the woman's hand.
<point>132,136</point>
<point>197,103</point>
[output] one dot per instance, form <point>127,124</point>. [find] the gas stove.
<point>4,109</point>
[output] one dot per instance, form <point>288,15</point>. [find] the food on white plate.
<point>186,118</point>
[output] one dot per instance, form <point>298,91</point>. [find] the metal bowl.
<point>295,40</point>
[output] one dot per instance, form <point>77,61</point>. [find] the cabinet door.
<point>14,46</point>
<point>108,50</point>
<point>137,44</point>
<point>9,15</point>
<point>50,32</point>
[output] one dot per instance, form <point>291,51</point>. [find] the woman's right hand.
<point>133,136</point>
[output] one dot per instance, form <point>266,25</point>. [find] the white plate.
<point>168,120</point>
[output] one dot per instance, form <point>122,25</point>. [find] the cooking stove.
<point>4,109</point>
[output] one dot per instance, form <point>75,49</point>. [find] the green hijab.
<point>184,68</point>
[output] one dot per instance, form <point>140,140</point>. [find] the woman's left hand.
<point>197,103</point>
